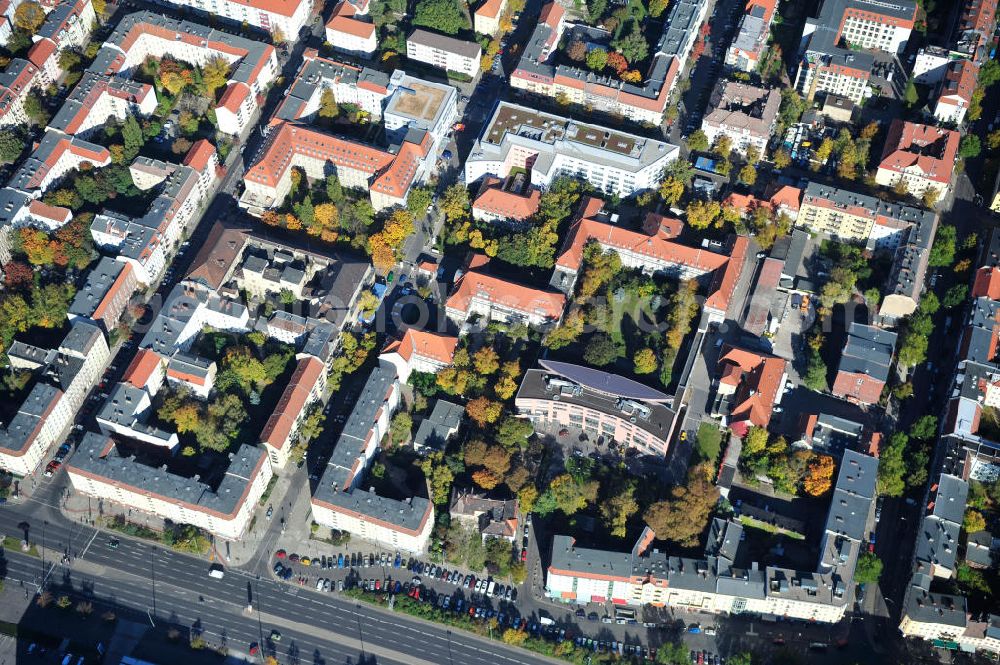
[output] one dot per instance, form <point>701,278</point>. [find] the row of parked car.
<point>485,587</point>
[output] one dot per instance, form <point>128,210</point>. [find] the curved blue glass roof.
<point>604,382</point>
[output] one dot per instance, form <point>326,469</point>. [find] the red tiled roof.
<point>494,200</point>
<point>440,348</point>
<point>662,226</point>
<point>199,155</point>
<point>987,284</point>
<point>931,150</point>
<point>759,385</point>
<point>615,237</point>
<point>290,139</point>
<point>293,400</point>
<point>397,177</point>
<point>55,213</point>
<point>518,297</point>
<point>960,80</point>
<point>234,96</point>
<point>724,282</point>
<point>489,9</point>
<point>343,21</point>
<point>142,367</point>
<point>281,7</point>
<point>551,14</point>
<point>787,196</point>
<point>41,51</point>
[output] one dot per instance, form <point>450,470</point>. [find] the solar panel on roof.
<point>604,382</point>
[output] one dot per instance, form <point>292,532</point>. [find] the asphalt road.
<point>168,584</point>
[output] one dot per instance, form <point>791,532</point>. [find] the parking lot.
<point>449,589</point>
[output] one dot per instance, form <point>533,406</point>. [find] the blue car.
<point>396,562</point>
<point>397,587</point>
<point>340,560</point>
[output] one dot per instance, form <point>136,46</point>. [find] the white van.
<point>217,571</point>
<point>489,589</point>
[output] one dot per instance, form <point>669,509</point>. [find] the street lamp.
<point>361,632</point>
<point>152,576</point>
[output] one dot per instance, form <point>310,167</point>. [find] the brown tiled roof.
<point>293,400</point>
<point>221,249</point>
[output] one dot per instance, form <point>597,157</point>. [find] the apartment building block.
<point>224,508</point>
<point>106,293</point>
<point>650,254</point>
<point>922,156</point>
<point>713,584</point>
<point>599,404</point>
<point>549,146</point>
<point>281,18</point>
<point>347,33</point>
<point>339,500</point>
<point>480,294</point>
<point>448,53</point>
<point>64,377</point>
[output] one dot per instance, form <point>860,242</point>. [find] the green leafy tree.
<point>955,296</point>
<point>868,570</point>
<point>697,141</point>
<point>782,158</point>
<point>970,146</point>
<point>132,138</point>
<point>400,428</point>
<point>892,466</point>
<point>645,361</point>
<point>943,251</point>
<point>617,508</point>
<point>597,59</point>
<point>601,350</point>
<point>682,518</point>
<point>215,75</point>
<point>328,108</point>
<point>34,108</point>
<point>973,521</point>
<point>632,46</point>
<point>568,495</point>
<point>596,9</point>
<point>441,15</point>
<point>911,97</point>
<point>418,200</point>
<point>29,16</point>
<point>11,144</point>
<point>989,73</point>
<point>748,175</point>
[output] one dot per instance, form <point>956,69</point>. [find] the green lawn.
<point>755,523</point>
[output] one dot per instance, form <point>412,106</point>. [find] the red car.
<point>280,554</point>
<point>524,554</point>
<point>254,649</point>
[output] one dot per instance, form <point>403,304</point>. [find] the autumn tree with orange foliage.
<point>483,410</point>
<point>819,478</point>
<point>386,243</point>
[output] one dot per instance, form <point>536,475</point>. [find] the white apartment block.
<point>444,52</point>
<point>549,146</point>
<point>339,502</point>
<point>288,16</point>
<point>48,411</point>
<point>98,470</point>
